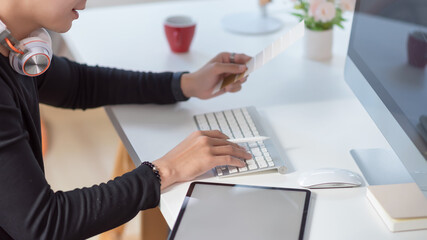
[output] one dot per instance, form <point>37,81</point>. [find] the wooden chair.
<point>44,137</point>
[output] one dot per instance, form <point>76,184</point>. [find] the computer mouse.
<point>329,178</point>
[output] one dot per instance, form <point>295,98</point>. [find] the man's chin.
<point>61,29</point>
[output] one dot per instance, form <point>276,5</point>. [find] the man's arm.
<point>71,85</point>
<point>30,209</point>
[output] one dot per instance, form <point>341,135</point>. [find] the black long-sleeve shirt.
<point>29,208</point>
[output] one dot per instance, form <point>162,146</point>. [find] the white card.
<point>266,55</point>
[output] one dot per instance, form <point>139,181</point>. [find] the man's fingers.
<point>215,134</point>
<point>235,87</point>
<point>226,57</point>
<point>243,80</point>
<point>241,58</point>
<point>229,160</point>
<point>230,150</point>
<point>221,68</point>
<point>224,142</point>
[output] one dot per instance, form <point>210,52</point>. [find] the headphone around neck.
<point>30,56</point>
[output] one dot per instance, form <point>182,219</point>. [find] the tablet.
<point>228,211</point>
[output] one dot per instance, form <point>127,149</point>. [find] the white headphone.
<point>30,56</point>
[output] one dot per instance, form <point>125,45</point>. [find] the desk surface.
<point>311,111</point>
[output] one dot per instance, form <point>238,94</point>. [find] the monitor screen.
<point>388,46</point>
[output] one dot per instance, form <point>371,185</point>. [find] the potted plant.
<point>320,16</point>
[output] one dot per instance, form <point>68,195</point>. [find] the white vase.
<point>318,44</point>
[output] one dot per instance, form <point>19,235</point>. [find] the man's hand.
<point>198,153</point>
<point>201,83</point>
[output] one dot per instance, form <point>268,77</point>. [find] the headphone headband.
<point>7,40</point>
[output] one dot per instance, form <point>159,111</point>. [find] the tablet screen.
<point>224,211</point>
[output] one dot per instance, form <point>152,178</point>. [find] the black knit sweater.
<point>29,208</point>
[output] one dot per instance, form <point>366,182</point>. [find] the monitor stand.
<point>381,166</point>
<point>251,23</point>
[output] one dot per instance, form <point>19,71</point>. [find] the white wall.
<point>98,3</point>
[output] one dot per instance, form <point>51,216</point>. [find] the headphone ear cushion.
<point>41,36</point>
<point>39,50</point>
<point>14,60</point>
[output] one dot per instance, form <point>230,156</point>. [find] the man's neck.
<point>18,27</point>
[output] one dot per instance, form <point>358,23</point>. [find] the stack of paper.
<point>402,207</point>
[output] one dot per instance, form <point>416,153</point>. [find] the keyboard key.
<point>237,113</point>
<point>201,118</point>
<point>229,116</point>
<point>253,144</point>
<point>229,134</point>
<point>224,170</point>
<point>252,167</point>
<point>256,152</point>
<point>219,171</point>
<point>247,132</point>
<point>232,169</point>
<point>259,159</point>
<point>245,145</point>
<point>212,121</point>
<point>238,135</point>
<point>222,122</point>
<point>243,169</point>
<point>250,162</point>
<point>262,164</point>
<point>238,123</point>
<point>219,116</point>
<point>204,127</point>
<point>210,117</point>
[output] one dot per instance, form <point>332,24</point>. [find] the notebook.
<point>402,207</point>
<point>228,211</point>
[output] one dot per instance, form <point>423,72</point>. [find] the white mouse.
<point>329,178</point>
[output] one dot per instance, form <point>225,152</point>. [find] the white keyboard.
<point>243,123</point>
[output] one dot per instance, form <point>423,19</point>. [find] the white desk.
<point>314,115</point>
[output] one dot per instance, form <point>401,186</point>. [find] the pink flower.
<point>325,12</point>
<point>314,4</point>
<point>347,5</point>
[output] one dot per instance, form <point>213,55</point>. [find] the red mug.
<point>179,32</point>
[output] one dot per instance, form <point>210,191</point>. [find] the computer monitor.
<point>386,69</point>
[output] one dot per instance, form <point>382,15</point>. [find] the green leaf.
<point>339,25</point>
<point>305,6</point>
<point>298,6</point>
<point>297,15</point>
